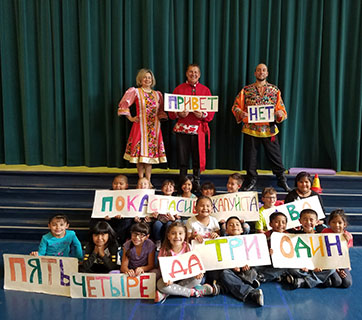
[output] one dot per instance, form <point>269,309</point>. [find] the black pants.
<point>272,151</point>
<point>188,144</point>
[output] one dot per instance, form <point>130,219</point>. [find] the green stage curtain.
<point>65,64</point>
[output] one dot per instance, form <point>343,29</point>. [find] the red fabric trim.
<point>202,131</point>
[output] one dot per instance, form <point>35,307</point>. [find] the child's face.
<point>176,236</point>
<point>337,224</point>
<point>232,185</point>
<point>303,185</point>
<point>269,200</point>
<point>138,238</point>
<point>143,184</point>
<point>204,207</point>
<point>208,192</point>
<point>101,239</point>
<point>186,187</point>
<point>278,224</point>
<point>308,222</point>
<point>58,227</point>
<point>234,227</point>
<point>119,184</point>
<point>168,189</point>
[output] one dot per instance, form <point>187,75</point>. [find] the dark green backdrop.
<point>66,64</point>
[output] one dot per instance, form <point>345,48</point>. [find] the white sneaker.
<point>158,244</point>
<point>160,297</point>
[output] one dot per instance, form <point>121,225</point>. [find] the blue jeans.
<point>159,230</point>
<point>311,278</point>
<point>233,284</point>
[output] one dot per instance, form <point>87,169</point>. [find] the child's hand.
<point>213,235</point>
<point>236,269</point>
<point>137,219</point>
<point>118,216</point>
<point>245,268</point>
<point>341,273</point>
<point>34,253</point>
<point>107,218</point>
<point>199,276</point>
<point>148,219</point>
<point>170,217</point>
<point>199,238</point>
<point>155,214</point>
<point>347,236</point>
<point>304,269</point>
<point>177,217</point>
<point>138,271</point>
<point>270,251</point>
<point>317,270</point>
<point>130,273</point>
<point>169,282</point>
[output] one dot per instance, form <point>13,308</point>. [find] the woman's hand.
<point>134,119</point>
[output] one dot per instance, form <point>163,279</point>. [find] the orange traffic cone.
<point>316,184</point>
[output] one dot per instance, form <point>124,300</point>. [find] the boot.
<point>282,183</point>
<point>249,184</point>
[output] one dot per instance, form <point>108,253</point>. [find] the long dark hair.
<point>102,227</point>
<point>166,245</point>
<point>141,227</point>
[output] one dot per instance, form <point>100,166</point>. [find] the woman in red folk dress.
<point>145,144</point>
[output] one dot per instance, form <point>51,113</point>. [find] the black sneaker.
<point>257,296</point>
<point>255,284</point>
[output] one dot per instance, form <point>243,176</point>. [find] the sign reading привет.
<point>262,113</point>
<point>179,103</point>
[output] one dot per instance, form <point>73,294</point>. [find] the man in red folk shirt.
<point>191,127</point>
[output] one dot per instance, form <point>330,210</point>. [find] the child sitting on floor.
<point>240,282</point>
<point>101,251</point>
<point>139,252</point>
<point>59,242</point>
<point>202,226</point>
<point>175,243</point>
<point>304,278</point>
<point>337,222</point>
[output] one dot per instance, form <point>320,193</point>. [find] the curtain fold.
<point>64,66</point>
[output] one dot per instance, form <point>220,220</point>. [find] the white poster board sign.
<point>190,103</point>
<point>180,267</point>
<point>243,205</point>
<point>321,250</point>
<point>50,275</point>
<point>233,251</point>
<point>260,113</point>
<point>185,207</point>
<point>292,211</point>
<point>127,203</point>
<point>113,286</point>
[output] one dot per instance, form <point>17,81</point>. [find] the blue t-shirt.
<point>68,246</point>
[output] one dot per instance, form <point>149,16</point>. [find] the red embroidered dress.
<point>145,143</point>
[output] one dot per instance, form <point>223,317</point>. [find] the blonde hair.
<point>141,74</point>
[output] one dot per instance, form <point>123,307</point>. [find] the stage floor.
<point>280,303</point>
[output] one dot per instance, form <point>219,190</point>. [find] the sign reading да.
<point>179,103</point>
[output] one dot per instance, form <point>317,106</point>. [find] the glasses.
<point>138,235</point>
